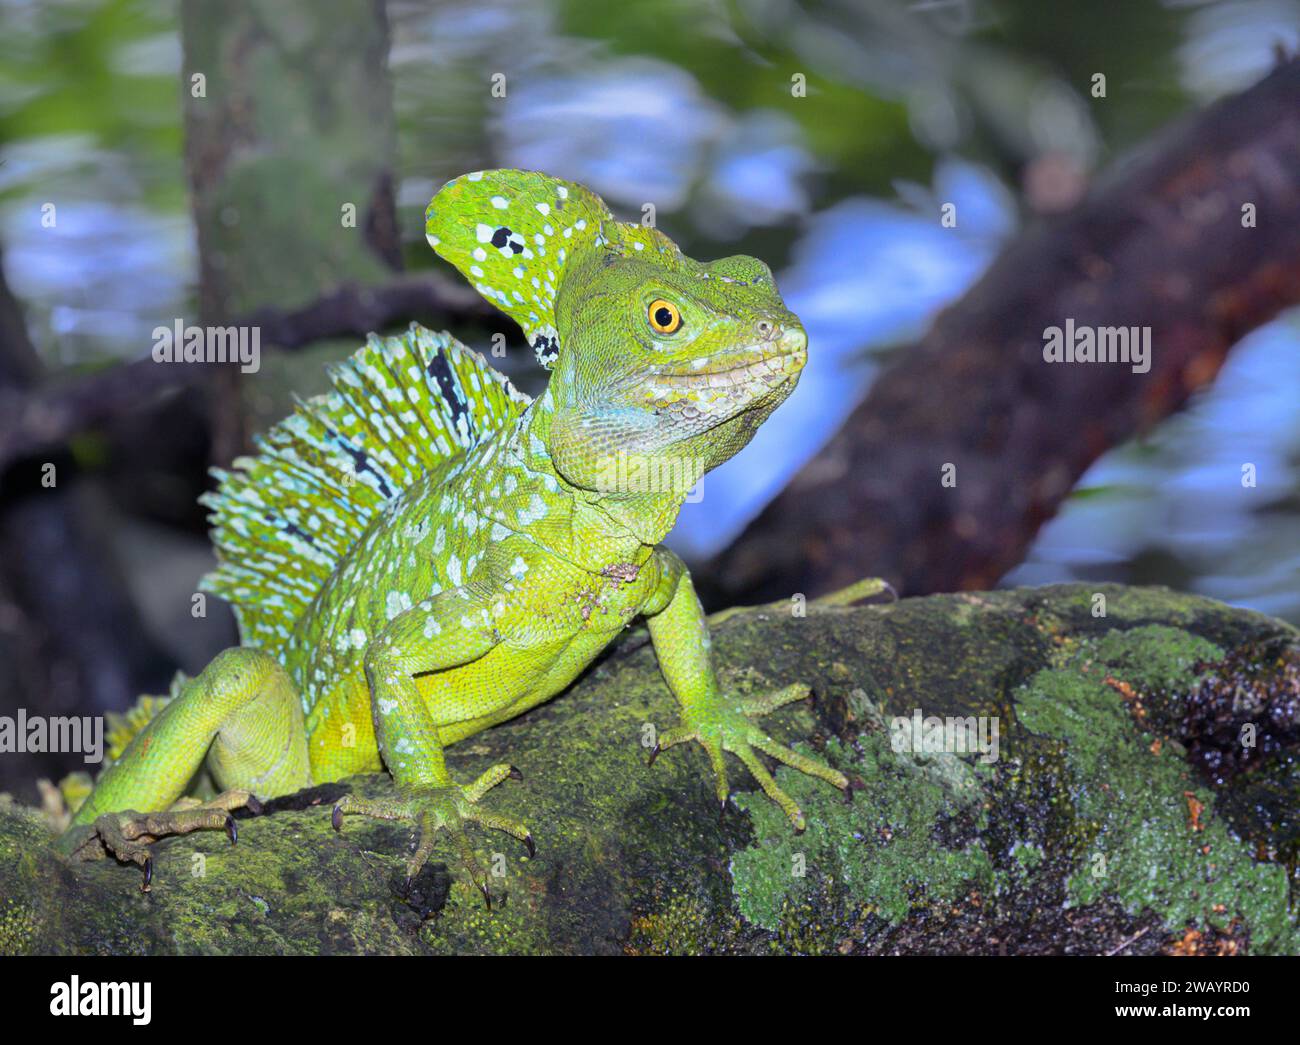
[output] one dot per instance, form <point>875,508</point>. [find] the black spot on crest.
<point>292,529</point>
<point>448,388</point>
<point>546,348</point>
<point>360,460</point>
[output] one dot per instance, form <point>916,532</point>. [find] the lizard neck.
<point>604,521</point>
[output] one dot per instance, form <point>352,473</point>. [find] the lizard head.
<point>668,359</point>
<point>655,357</point>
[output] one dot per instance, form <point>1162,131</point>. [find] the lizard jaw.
<point>760,367</point>
<point>764,371</point>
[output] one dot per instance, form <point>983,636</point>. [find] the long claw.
<point>515,774</point>
<point>803,763</point>
<point>128,835</point>
<point>757,706</point>
<point>448,808</point>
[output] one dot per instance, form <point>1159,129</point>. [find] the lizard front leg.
<point>718,721</point>
<point>448,631</point>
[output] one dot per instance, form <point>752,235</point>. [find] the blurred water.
<point>103,277</point>
<point>1172,507</point>
<point>1231,45</point>
<point>634,130</point>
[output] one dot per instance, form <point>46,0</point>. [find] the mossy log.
<point>1143,799</point>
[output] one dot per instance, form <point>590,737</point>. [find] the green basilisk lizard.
<point>424,552</point>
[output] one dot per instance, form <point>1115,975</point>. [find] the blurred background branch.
<point>1162,243</point>
<point>42,417</point>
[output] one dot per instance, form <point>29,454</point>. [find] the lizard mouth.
<point>732,369</point>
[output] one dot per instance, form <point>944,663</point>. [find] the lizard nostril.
<point>768,330</point>
<point>794,339</point>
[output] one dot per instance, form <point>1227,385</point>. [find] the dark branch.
<point>35,420</point>
<point>1161,244</point>
<point>353,311</point>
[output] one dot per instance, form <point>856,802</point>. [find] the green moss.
<point>1155,657</point>
<point>1148,832</point>
<point>1133,605</point>
<point>893,848</point>
<point>1027,855</point>
<point>17,926</point>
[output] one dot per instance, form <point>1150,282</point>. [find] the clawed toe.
<point>721,725</point>
<point>449,808</point>
<point>130,836</point>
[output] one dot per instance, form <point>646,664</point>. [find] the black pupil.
<point>663,317</point>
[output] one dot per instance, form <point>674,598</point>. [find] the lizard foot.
<point>722,725</point>
<point>448,809</point>
<point>129,836</point>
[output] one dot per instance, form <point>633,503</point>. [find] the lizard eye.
<point>664,317</point>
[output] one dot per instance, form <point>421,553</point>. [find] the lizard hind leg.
<point>243,716</point>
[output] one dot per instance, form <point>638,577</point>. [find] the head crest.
<point>513,234</point>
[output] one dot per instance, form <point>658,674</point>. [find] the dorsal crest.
<point>284,518</point>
